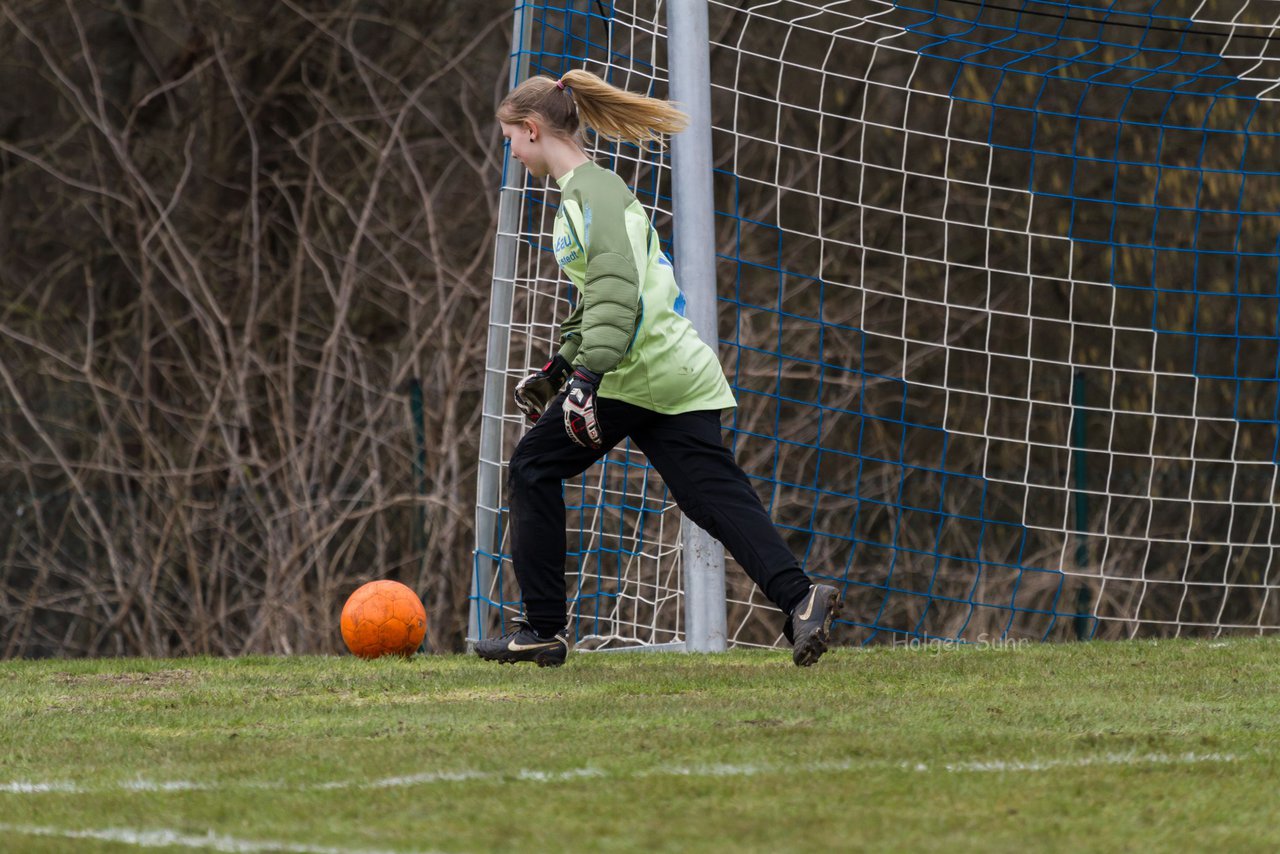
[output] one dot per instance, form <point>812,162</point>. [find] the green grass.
<point>1100,746</point>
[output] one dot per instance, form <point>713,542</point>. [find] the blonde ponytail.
<point>580,98</point>
<point>619,115</point>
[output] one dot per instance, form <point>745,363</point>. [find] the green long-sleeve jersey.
<point>629,323</point>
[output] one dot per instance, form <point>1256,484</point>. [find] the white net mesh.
<point>999,299</point>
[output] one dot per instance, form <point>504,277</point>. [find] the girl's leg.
<point>543,459</point>
<point>714,492</point>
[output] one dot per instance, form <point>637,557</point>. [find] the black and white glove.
<point>535,392</point>
<point>580,419</point>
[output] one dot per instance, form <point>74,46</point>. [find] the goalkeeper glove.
<point>536,391</point>
<point>580,419</point>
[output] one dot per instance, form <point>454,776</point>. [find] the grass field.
<point>1099,746</point>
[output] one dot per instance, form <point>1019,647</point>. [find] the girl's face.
<point>526,145</point>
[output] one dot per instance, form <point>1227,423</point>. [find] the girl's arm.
<point>607,315</point>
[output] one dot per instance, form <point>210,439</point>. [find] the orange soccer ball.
<point>383,618</point>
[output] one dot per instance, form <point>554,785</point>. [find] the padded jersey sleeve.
<point>605,321</point>
<point>571,334</point>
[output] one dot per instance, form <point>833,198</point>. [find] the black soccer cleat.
<point>810,623</point>
<point>524,644</point>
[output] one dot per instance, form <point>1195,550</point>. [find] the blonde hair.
<point>581,99</point>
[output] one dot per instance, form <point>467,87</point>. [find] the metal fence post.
<point>506,245</point>
<point>688,56</point>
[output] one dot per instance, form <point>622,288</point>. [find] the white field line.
<point>1086,761</point>
<point>427,778</point>
<point>164,838</point>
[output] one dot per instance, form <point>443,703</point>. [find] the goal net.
<point>999,296</point>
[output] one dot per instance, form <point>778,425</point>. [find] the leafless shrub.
<point>245,247</point>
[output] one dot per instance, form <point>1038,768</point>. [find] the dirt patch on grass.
<point>176,676</point>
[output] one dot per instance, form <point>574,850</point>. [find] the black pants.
<point>701,473</point>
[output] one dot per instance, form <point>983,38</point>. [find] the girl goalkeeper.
<point>634,367</point>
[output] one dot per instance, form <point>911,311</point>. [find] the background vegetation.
<point>244,266</point>
<point>246,251</point>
